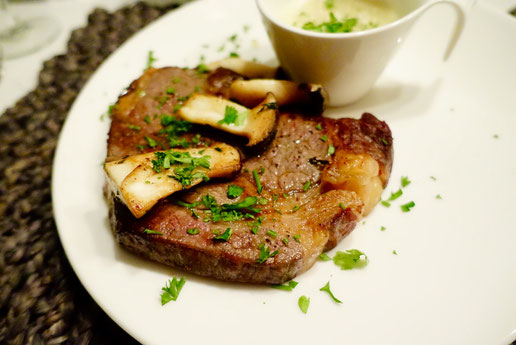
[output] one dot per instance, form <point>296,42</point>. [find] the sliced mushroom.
<point>140,185</point>
<point>251,92</point>
<point>255,124</point>
<point>248,69</point>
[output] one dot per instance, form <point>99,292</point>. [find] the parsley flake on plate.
<point>265,253</point>
<point>405,181</point>
<point>324,257</point>
<point>289,286</point>
<point>406,207</point>
<point>395,195</point>
<point>223,237</point>
<point>303,302</point>
<point>326,288</point>
<point>352,258</point>
<point>171,290</point>
<point>233,117</point>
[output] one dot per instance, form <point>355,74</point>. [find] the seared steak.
<point>317,177</point>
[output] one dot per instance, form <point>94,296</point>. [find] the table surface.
<point>19,76</point>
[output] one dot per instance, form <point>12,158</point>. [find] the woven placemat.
<point>41,299</point>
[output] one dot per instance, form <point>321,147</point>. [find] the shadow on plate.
<point>391,100</point>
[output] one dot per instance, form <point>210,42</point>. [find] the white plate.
<point>454,278</point>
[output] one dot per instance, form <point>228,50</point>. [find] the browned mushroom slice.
<point>248,69</point>
<point>141,181</point>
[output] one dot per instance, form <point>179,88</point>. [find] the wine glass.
<point>22,36</point>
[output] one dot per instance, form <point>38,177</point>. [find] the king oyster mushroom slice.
<point>140,185</point>
<point>248,69</point>
<point>256,124</point>
<point>251,92</point>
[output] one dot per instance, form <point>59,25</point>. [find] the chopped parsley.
<point>230,212</point>
<point>405,181</point>
<point>395,195</point>
<point>433,178</point>
<point>272,233</point>
<point>176,80</point>
<point>171,90</point>
<point>295,208</point>
<point>318,127</point>
<point>151,142</point>
<point>385,142</point>
<point>274,198</point>
<point>285,240</point>
<point>394,252</point>
<point>332,26</point>
<point>324,138</point>
<point>259,186</point>
<point>255,225</point>
<point>171,290</point>
<point>352,258</point>
<point>233,55</point>
<point>326,288</point>
<point>173,128</point>
<point>329,4</point>
<point>385,203</point>
<point>406,207</point>
<point>164,160</point>
<point>342,206</point>
<point>438,196</point>
<point>263,201</point>
<point>271,105</point>
<point>383,228</point>
<point>296,238</point>
<point>134,128</point>
<point>265,253</point>
<point>324,257</point>
<point>234,191</point>
<point>223,237</point>
<point>233,117</point>
<point>152,232</point>
<point>150,59</point>
<point>289,286</point>
<point>303,303</point>
<point>193,231</point>
<point>307,185</point>
<point>147,119</point>
<point>331,150</point>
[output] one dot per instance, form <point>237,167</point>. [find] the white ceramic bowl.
<point>346,64</point>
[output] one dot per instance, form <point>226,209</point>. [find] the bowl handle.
<point>459,23</point>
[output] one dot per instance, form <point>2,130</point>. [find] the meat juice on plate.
<point>338,16</point>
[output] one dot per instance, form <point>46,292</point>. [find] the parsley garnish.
<point>289,286</point>
<point>150,59</point>
<point>395,195</point>
<point>295,208</point>
<point>147,119</point>
<point>385,203</point>
<point>152,232</point>
<point>324,138</point>
<point>258,183</point>
<point>193,231</point>
<point>303,303</point>
<point>234,191</point>
<point>327,289</point>
<point>265,253</point>
<point>329,4</point>
<point>296,238</point>
<point>171,290</point>
<point>152,143</point>
<point>394,252</point>
<point>324,257</point>
<point>233,117</point>
<point>342,206</point>
<point>224,237</point>
<point>170,90</point>
<point>331,150</point>
<point>405,181</point>
<point>383,228</point>
<point>385,142</point>
<point>134,128</point>
<point>285,240</point>
<point>438,196</point>
<point>272,233</point>
<point>352,258</point>
<point>230,212</point>
<point>406,207</point>
<point>255,225</point>
<point>332,26</point>
<point>306,186</point>
<point>433,178</point>
<point>318,127</point>
<point>233,55</point>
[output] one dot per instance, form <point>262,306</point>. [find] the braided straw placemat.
<point>41,299</point>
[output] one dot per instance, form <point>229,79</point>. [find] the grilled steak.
<point>313,183</point>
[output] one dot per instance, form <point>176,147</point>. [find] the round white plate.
<point>453,280</point>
